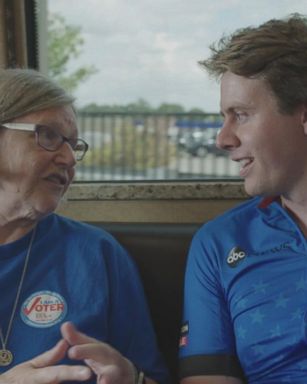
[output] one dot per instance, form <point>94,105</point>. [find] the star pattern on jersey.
<point>258,350</point>
<point>301,284</point>
<point>292,342</point>
<point>275,305</point>
<point>242,303</point>
<point>276,331</point>
<point>287,380</point>
<point>257,316</point>
<point>302,365</point>
<point>241,332</point>
<point>281,301</point>
<point>297,314</point>
<point>260,287</point>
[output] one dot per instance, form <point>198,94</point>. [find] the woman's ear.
<point>304,118</point>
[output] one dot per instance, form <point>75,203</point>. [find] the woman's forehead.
<point>61,118</point>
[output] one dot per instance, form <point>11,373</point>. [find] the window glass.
<point>145,107</point>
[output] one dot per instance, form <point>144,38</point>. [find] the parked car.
<point>200,143</point>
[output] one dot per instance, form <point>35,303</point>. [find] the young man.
<point>245,311</point>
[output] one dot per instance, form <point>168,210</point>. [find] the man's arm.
<point>207,344</point>
<point>211,380</point>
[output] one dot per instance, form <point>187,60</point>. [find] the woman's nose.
<point>66,155</point>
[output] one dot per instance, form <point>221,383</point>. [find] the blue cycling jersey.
<point>245,310</point>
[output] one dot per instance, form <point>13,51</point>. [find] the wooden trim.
<point>3,35</point>
<point>165,190</point>
<point>13,48</point>
<point>20,40</point>
<point>163,211</point>
<point>151,202</point>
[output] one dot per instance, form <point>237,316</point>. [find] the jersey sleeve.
<point>207,343</point>
<point>130,326</point>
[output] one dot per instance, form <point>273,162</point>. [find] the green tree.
<point>65,43</point>
<point>196,110</point>
<point>170,108</point>
<point>140,106</point>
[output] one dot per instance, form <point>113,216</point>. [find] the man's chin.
<point>253,190</point>
<point>259,190</point>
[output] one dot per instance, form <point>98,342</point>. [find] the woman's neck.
<point>14,230</point>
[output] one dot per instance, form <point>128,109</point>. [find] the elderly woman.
<point>72,307</point>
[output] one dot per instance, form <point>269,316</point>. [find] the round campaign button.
<point>43,309</point>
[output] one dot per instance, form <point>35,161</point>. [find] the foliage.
<point>170,108</point>
<point>65,43</point>
<point>196,110</point>
<point>135,148</point>
<point>140,106</point>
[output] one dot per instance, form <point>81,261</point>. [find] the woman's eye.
<point>47,133</point>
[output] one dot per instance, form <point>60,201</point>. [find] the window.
<point>144,105</point>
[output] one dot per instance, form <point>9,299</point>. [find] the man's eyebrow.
<point>232,109</point>
<point>227,111</point>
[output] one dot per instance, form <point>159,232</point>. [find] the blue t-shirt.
<point>77,273</point>
<point>245,310</point>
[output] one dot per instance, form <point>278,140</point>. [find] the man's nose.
<point>227,138</point>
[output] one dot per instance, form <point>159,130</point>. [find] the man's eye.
<point>240,116</point>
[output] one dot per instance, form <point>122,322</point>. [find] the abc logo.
<point>235,256</point>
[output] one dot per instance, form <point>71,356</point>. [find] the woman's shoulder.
<point>78,229</point>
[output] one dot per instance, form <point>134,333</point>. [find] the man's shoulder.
<point>239,215</point>
<point>234,225</point>
<point>240,226</point>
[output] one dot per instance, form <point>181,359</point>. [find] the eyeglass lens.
<point>50,140</point>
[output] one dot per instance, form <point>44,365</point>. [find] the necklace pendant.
<point>6,357</point>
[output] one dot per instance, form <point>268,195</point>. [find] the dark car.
<point>200,143</point>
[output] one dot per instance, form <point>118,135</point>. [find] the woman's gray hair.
<point>24,91</point>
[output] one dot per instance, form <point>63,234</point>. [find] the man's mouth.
<point>245,165</point>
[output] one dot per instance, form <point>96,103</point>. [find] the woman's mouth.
<point>57,179</point>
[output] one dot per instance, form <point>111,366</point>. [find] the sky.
<point>150,49</point>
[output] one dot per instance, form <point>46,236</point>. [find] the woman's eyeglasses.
<point>49,139</point>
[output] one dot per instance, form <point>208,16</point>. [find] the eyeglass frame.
<point>32,127</point>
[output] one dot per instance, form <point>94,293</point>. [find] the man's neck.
<point>298,211</point>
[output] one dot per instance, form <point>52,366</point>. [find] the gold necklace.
<point>6,356</point>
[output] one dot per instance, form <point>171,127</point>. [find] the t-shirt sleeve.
<point>207,343</point>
